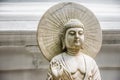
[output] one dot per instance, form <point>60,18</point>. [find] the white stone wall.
<point>20,57</point>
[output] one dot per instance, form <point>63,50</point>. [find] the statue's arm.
<point>55,70</point>
<point>49,76</point>
<point>95,72</point>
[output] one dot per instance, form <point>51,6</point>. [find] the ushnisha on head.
<point>73,35</point>
<point>73,23</point>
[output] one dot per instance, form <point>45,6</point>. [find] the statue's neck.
<point>73,51</point>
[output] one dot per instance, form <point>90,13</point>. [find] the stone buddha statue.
<point>69,37</point>
<point>72,64</point>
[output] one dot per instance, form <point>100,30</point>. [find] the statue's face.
<point>74,38</point>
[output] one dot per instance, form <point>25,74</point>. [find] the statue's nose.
<point>76,35</point>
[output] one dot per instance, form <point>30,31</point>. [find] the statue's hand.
<point>56,68</point>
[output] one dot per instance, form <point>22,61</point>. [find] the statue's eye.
<point>72,32</point>
<point>80,32</point>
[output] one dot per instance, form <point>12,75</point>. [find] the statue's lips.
<point>77,42</point>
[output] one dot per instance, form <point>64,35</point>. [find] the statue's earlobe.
<point>63,45</point>
<point>63,42</point>
<point>81,47</point>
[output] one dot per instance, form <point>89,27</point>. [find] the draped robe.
<point>80,67</point>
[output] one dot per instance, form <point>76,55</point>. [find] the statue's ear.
<point>63,42</point>
<point>81,47</point>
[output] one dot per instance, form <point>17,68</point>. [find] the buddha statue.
<point>69,37</point>
<point>72,64</point>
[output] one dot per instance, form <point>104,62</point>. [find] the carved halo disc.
<point>51,26</point>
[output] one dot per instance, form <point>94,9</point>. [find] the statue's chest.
<point>74,64</point>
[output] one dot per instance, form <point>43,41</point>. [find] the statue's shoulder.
<point>57,57</point>
<point>89,59</point>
